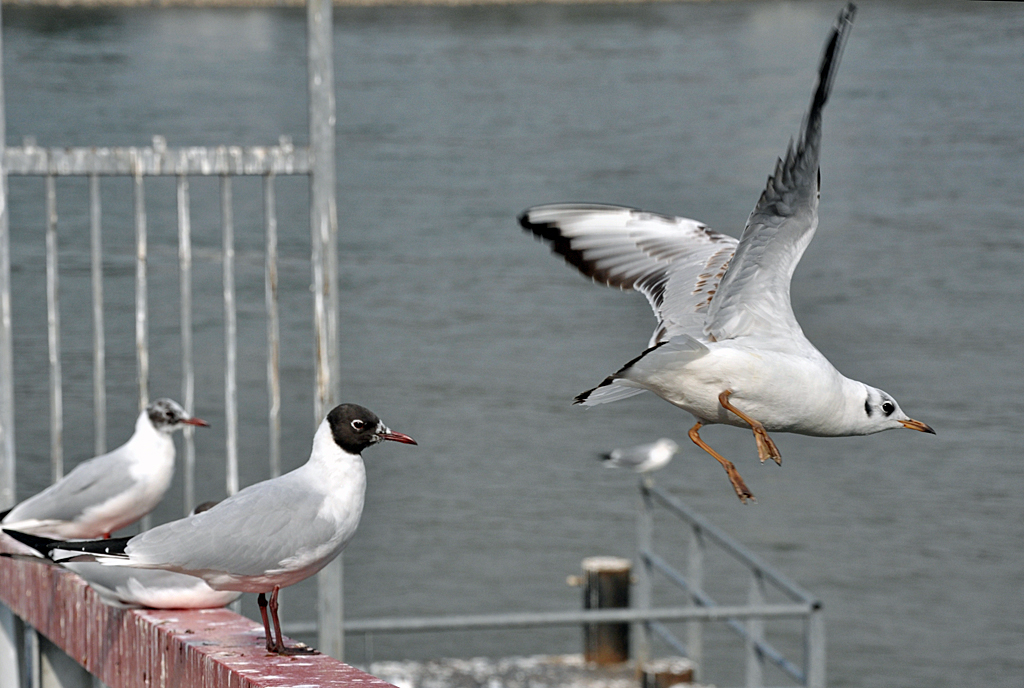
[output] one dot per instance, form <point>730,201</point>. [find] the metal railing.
<point>315,161</point>
<point>810,672</point>
<point>225,162</point>
<point>746,620</point>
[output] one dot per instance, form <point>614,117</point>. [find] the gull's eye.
<point>888,407</point>
<point>358,425</point>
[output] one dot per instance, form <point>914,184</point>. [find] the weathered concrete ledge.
<point>147,648</point>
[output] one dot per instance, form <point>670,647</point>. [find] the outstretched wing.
<point>675,262</point>
<point>753,296</point>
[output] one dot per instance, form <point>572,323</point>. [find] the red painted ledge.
<point>149,648</point>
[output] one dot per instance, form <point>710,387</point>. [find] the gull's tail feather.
<point>43,545</point>
<point>611,389</point>
<point>628,381</point>
<point>110,547</point>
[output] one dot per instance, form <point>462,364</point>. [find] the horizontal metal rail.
<point>157,160</point>
<point>705,601</point>
<point>567,618</point>
<point>740,552</point>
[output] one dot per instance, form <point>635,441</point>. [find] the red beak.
<point>397,437</point>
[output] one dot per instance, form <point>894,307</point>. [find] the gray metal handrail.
<point>737,550</point>
<point>564,618</point>
<point>758,650</point>
<point>747,621</point>
<point>138,163</point>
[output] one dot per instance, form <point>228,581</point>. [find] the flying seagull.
<point>727,347</point>
<point>112,490</point>
<point>268,536</point>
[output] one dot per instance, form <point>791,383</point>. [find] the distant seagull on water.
<point>268,536</point>
<point>727,347</point>
<point>643,458</point>
<point>112,490</point>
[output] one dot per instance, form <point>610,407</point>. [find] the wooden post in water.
<point>664,673</point>
<point>606,585</point>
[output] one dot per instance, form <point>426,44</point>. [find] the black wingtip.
<point>831,54</point>
<point>583,396</point>
<point>523,219</point>
<point>43,545</point>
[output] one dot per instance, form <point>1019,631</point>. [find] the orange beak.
<point>917,425</point>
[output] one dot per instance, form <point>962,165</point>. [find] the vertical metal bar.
<point>323,211</point>
<point>141,296</point>
<point>99,346</point>
<point>230,335</point>
<point>695,572</point>
<point>755,632</point>
<point>58,670</point>
<point>141,299</point>
<point>273,325</point>
<point>7,473</point>
<point>11,628</point>
<point>324,230</point>
<point>53,333</point>
<point>33,666</point>
<point>187,365</point>
<point>815,652</point>
<point>12,636</point>
<point>644,542</point>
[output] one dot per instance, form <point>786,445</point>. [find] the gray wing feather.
<point>675,262</point>
<point>631,457</point>
<point>753,297</point>
<point>240,535</point>
<point>91,483</point>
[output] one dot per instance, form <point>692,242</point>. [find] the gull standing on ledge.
<point>127,587</point>
<point>112,490</point>
<point>727,347</point>
<point>268,536</point>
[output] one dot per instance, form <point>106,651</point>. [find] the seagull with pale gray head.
<point>112,490</point>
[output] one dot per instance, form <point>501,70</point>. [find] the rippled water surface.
<point>465,333</point>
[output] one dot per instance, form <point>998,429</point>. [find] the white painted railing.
<point>315,161</point>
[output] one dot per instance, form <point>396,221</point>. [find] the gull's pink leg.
<point>280,646</point>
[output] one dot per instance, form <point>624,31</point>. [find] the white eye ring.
<point>358,425</point>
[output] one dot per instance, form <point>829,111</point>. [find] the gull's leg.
<point>280,646</point>
<point>261,600</point>
<point>766,449</point>
<point>734,476</point>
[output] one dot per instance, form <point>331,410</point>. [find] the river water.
<point>463,332</point>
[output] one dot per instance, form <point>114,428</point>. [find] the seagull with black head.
<point>266,537</point>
